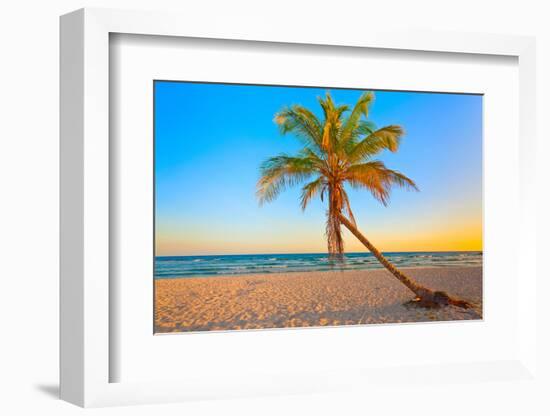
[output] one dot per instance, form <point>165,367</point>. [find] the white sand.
<point>308,299</point>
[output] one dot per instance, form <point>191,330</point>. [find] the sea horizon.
<point>210,265</point>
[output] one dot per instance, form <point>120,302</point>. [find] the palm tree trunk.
<point>425,296</point>
<point>335,241</point>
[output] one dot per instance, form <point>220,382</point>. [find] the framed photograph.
<point>283,213</point>
<point>224,260</point>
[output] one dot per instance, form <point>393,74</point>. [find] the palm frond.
<point>378,179</point>
<point>310,190</point>
<point>364,128</point>
<point>280,172</point>
<point>332,122</point>
<point>326,135</point>
<point>339,112</point>
<point>347,207</point>
<point>327,105</point>
<point>385,138</point>
<point>302,123</point>
<point>351,123</point>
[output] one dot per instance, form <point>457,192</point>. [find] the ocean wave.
<point>203,266</point>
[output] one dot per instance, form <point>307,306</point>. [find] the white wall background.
<point>29,183</point>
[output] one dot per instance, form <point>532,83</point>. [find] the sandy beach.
<point>308,299</point>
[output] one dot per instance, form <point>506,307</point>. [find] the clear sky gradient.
<point>210,140</point>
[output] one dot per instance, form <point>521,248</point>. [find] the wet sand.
<point>308,299</point>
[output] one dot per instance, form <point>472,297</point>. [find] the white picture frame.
<point>85,211</point>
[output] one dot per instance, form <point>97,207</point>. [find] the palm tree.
<point>338,150</point>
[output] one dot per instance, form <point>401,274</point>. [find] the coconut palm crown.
<point>339,150</point>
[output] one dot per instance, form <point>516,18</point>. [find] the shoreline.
<point>305,299</point>
<point>235,265</point>
<point>226,276</point>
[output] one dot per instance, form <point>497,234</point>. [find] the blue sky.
<point>211,138</point>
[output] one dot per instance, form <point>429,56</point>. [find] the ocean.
<point>170,267</point>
